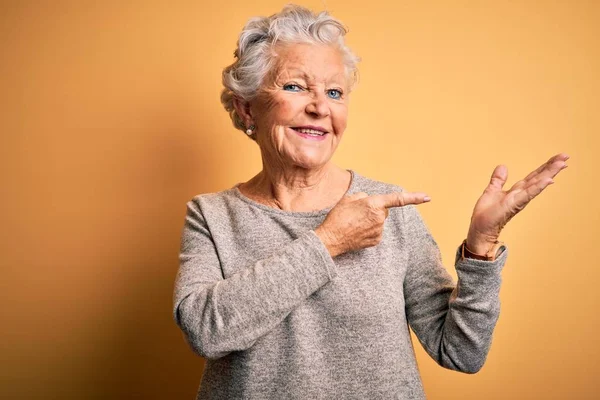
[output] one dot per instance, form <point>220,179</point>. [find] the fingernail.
<point>426,198</point>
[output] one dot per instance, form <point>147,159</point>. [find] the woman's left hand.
<point>496,207</point>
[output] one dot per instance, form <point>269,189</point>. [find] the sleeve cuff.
<point>323,253</point>
<point>481,265</point>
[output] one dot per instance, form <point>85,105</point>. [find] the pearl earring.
<point>250,130</point>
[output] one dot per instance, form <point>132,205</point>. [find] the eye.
<point>334,94</point>
<point>292,87</point>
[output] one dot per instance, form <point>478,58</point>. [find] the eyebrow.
<point>292,71</point>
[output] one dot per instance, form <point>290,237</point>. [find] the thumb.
<point>499,177</point>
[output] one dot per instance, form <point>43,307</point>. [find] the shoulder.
<point>221,196</point>
<point>212,202</point>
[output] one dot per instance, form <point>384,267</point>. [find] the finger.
<point>518,185</point>
<point>522,197</point>
<point>535,180</point>
<point>550,168</point>
<point>555,164</point>
<point>398,199</point>
<point>542,177</point>
<point>499,177</point>
<point>546,170</point>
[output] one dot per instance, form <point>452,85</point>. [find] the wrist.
<point>329,242</point>
<point>480,244</point>
<point>490,254</point>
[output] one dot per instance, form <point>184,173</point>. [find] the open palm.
<point>496,207</point>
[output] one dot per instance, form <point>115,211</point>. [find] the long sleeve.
<point>218,315</point>
<point>453,322</point>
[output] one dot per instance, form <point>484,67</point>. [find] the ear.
<point>242,108</point>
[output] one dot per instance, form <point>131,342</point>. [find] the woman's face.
<point>300,114</point>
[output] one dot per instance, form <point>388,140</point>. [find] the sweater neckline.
<point>303,214</point>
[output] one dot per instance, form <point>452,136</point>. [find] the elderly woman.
<point>302,283</point>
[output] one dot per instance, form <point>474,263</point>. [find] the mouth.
<point>314,131</point>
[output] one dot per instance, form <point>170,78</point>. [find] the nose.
<point>318,106</point>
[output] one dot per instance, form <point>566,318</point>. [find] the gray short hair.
<point>254,55</point>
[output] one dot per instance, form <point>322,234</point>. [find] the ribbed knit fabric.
<point>258,295</point>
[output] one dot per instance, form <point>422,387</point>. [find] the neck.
<point>298,189</point>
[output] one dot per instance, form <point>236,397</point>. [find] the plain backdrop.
<point>111,121</point>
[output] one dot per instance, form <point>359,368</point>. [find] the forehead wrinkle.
<point>289,64</point>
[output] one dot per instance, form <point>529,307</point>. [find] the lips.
<point>310,134</point>
<point>310,130</point>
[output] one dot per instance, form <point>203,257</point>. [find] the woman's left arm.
<point>455,322</point>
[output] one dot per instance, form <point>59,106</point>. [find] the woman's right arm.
<point>220,315</point>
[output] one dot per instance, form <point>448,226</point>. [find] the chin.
<point>311,162</point>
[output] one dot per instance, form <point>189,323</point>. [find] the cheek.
<point>267,108</point>
<point>283,111</point>
<point>287,108</point>
<point>279,135</point>
<point>271,105</point>
<point>340,119</point>
<point>275,112</point>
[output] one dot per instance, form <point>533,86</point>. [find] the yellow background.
<point>111,122</point>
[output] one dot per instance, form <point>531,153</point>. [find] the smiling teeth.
<point>310,131</point>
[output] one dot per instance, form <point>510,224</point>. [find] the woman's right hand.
<point>356,222</point>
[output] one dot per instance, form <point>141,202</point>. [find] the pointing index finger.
<point>399,199</point>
